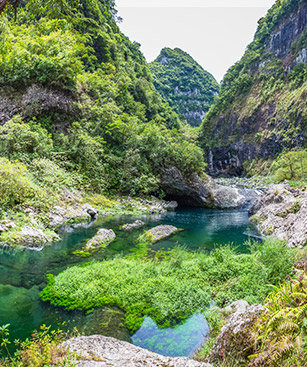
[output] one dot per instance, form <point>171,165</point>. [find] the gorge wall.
<point>261,109</point>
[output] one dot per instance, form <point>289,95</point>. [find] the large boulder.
<point>282,212</point>
<point>161,232</point>
<point>60,216</point>
<point>32,237</point>
<point>102,351</point>
<point>200,193</point>
<point>132,226</point>
<point>236,336</point>
<point>102,239</point>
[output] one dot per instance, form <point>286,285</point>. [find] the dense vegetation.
<point>262,97</point>
<point>112,128</point>
<point>184,84</point>
<point>290,166</point>
<point>176,286</point>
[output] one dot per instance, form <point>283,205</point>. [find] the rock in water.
<point>103,238</point>
<point>102,351</point>
<point>137,224</point>
<point>160,232</point>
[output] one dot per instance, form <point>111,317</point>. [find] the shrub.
<point>24,141</point>
<point>16,186</point>
<point>291,165</point>
<point>40,351</point>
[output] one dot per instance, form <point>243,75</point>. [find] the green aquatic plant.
<point>169,286</point>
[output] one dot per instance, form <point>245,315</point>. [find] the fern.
<point>281,331</point>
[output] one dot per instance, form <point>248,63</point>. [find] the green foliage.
<point>282,330</point>
<point>116,135</point>
<point>49,52</point>
<point>183,83</point>
<point>290,166</point>
<point>171,287</point>
<point>40,351</point>
<point>24,142</point>
<point>16,186</point>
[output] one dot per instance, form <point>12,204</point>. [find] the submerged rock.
<point>282,212</point>
<point>160,232</point>
<point>235,335</point>
<point>102,351</point>
<point>103,238</point>
<point>135,225</point>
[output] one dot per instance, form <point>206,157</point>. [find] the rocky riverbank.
<point>37,229</point>
<point>282,212</point>
<point>101,351</point>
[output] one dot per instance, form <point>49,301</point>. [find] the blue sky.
<point>214,32</point>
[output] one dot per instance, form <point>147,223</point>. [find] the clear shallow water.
<point>23,275</point>
<point>182,340</point>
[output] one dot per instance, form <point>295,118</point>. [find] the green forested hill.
<point>184,84</point>
<point>76,92</point>
<point>261,108</point>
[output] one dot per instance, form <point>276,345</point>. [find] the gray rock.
<point>240,306</point>
<point>102,351</point>
<point>234,337</point>
<point>196,192</point>
<point>135,225</point>
<point>282,212</point>
<point>103,238</point>
<point>90,210</point>
<point>160,232</point>
<point>34,236</point>
<point>5,225</point>
<point>170,205</point>
<point>59,216</point>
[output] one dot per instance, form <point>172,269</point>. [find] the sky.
<point>214,32</point>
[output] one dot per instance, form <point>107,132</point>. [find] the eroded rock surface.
<point>282,212</point>
<point>74,214</point>
<point>160,232</point>
<point>102,351</point>
<point>34,237</point>
<point>103,238</point>
<point>135,225</point>
<point>200,193</point>
<point>235,335</point>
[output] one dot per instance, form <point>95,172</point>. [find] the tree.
<point>4,3</point>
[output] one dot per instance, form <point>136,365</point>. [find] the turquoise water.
<point>182,340</point>
<point>23,275</point>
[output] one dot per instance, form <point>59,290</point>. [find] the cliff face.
<point>184,84</point>
<point>261,109</point>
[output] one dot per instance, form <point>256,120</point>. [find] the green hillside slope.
<point>184,84</point>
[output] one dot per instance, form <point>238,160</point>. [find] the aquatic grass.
<point>139,287</point>
<point>171,288</point>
